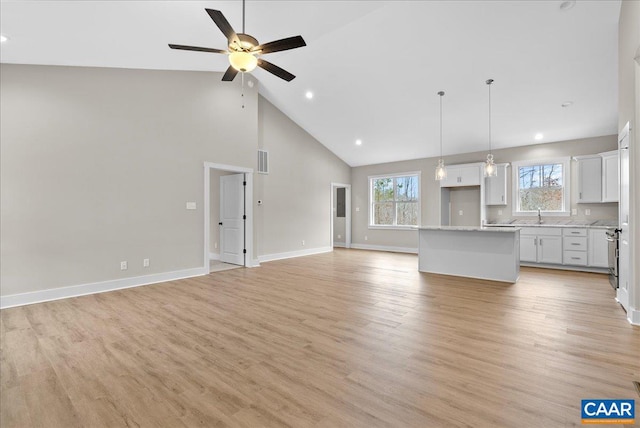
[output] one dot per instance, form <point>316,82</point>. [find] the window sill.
<point>393,227</point>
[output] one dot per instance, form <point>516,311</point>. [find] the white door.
<point>624,262</point>
<point>232,219</point>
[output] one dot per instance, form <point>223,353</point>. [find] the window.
<point>541,185</point>
<point>394,201</point>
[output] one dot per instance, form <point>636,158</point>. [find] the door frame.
<point>248,208</point>
<point>347,226</point>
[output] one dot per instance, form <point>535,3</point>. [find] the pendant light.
<point>441,171</point>
<point>490,169</point>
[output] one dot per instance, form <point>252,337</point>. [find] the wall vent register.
<point>263,162</point>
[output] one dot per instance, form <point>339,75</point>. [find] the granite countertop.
<point>510,229</point>
<point>598,224</point>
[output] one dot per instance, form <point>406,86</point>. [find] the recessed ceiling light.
<point>358,142</point>
<point>539,136</point>
<point>566,5</point>
<point>309,95</point>
<point>567,103</point>
<point>3,38</point>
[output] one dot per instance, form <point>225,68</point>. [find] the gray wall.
<point>97,165</point>
<point>430,190</point>
<point>629,111</point>
<point>296,193</point>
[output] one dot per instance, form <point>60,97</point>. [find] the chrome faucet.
<point>539,216</point>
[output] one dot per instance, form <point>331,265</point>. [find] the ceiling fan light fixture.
<point>243,61</point>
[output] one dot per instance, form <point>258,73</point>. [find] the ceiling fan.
<point>244,50</point>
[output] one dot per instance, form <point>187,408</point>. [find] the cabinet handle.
<point>575,258</point>
<point>580,197</point>
<point>574,243</point>
<point>540,241</point>
<point>502,197</point>
<point>535,241</point>
<point>575,233</point>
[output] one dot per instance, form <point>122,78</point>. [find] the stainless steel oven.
<point>612,238</point>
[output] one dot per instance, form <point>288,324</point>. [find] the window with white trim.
<point>394,200</point>
<point>541,185</point>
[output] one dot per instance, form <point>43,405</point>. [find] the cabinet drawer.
<point>574,231</point>
<point>575,243</point>
<point>575,258</point>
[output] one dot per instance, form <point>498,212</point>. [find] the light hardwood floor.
<point>343,339</point>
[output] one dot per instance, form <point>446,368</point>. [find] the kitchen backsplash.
<point>607,211</point>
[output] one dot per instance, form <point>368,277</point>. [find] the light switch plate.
<point>357,209</point>
<point>460,212</point>
<point>145,263</point>
<point>499,212</point>
<point>191,205</point>
<point>587,212</point>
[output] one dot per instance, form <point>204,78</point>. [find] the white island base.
<point>473,252</point>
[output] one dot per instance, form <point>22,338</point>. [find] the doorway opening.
<point>228,216</point>
<point>340,215</point>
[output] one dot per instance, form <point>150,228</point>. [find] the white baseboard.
<point>385,248</point>
<point>291,254</point>
<point>339,244</point>
<point>214,256</point>
<point>96,287</point>
<point>633,316</point>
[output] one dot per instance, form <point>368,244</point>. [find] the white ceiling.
<point>374,66</point>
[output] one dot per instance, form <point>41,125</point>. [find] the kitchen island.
<point>491,253</point>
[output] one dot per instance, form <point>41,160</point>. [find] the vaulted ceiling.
<point>374,67</point>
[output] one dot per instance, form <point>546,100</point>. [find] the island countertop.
<point>470,228</point>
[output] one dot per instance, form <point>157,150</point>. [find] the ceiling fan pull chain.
<point>242,93</point>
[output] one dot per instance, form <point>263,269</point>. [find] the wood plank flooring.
<point>344,339</point>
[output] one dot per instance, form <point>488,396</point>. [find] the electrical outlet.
<point>574,211</point>
<point>303,242</point>
<point>499,212</point>
<point>215,245</point>
<point>339,236</point>
<point>357,209</point>
<point>460,212</point>
<point>145,263</point>
<point>587,212</point>
<point>123,265</point>
<point>366,238</point>
<point>191,206</point>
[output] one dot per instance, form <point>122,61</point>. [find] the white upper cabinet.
<point>462,175</point>
<point>598,177</point>
<point>495,188</point>
<point>589,178</point>
<point>610,181</point>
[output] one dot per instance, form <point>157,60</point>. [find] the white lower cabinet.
<point>573,246</point>
<point>598,248</point>
<point>574,241</point>
<point>541,245</point>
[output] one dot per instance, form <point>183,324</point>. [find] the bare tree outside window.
<point>541,187</point>
<point>395,201</point>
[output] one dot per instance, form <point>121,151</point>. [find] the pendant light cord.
<point>489,82</point>
<point>243,16</point>
<point>441,93</point>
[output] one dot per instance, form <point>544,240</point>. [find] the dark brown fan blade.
<point>223,25</point>
<point>281,45</point>
<point>275,70</point>
<point>230,74</point>
<point>196,48</point>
